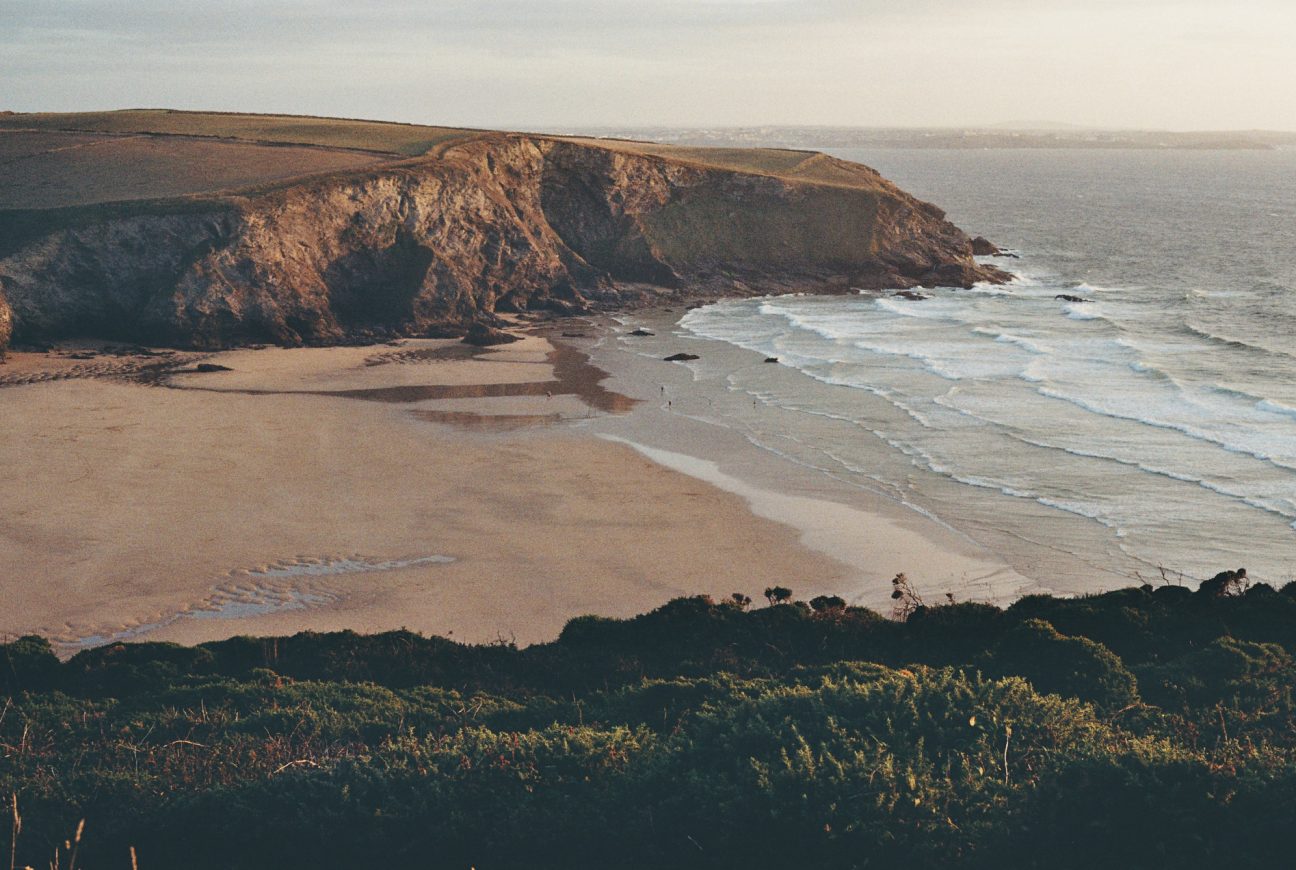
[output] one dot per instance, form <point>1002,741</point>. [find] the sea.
<point>1144,434</point>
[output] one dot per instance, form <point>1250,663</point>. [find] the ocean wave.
<point>1143,367</point>
<point>1272,407</point>
<point>927,309</point>
<point>1232,342</point>
<point>946,368</point>
<point>1262,404</point>
<point>1031,374</point>
<point>1083,311</point>
<point>1196,433</point>
<point>1199,293</point>
<point>1079,508</point>
<point>1021,341</point>
<point>985,288</point>
<point>1086,287</point>
<point>1284,509</point>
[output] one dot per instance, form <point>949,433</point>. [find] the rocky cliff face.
<point>430,246</point>
<point>6,323</point>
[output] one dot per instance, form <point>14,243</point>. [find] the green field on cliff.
<point>409,140</point>
<point>58,160</point>
<point>1145,728</point>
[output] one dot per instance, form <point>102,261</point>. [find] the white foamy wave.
<point>1083,311</point>
<point>1198,293</point>
<point>1031,374</point>
<point>1233,342</point>
<point>1080,509</point>
<point>936,366</point>
<point>985,288</point>
<point>1019,340</point>
<point>1234,445</point>
<point>1279,507</point>
<point>1085,287</point>
<point>1272,407</point>
<point>1143,367</point>
<point>926,309</point>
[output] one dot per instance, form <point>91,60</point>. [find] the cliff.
<point>483,223</point>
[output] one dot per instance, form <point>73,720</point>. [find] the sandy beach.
<point>481,494</point>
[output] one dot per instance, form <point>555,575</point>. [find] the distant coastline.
<point>997,138</point>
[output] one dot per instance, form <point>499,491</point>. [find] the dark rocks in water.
<point>641,332</point>
<point>983,247</point>
<point>682,357</point>
<point>573,335</point>
<point>911,295</point>
<point>207,368</point>
<point>771,359</point>
<point>484,335</point>
<point>1067,297</point>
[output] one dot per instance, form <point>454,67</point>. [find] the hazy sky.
<point>1178,64</point>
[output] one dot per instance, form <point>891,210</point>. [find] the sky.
<point>559,64</point>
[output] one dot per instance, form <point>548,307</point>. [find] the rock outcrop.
<point>6,323</point>
<point>432,245</point>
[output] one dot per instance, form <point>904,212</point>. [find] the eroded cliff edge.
<point>427,246</point>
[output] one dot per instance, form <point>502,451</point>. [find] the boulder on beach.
<point>485,335</point>
<point>207,368</point>
<point>682,357</point>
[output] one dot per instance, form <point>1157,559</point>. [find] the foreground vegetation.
<point>1140,728</point>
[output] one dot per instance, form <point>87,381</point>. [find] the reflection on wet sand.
<point>488,422</point>
<point>574,375</point>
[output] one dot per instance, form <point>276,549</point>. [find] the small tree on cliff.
<point>827,604</point>
<point>906,598</point>
<point>778,595</point>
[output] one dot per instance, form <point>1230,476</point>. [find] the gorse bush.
<point>1137,729</point>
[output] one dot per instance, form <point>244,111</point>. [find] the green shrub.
<point>1074,667</point>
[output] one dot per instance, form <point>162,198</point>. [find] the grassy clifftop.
<point>80,158</point>
<point>409,140</point>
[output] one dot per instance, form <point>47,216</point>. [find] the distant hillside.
<point>209,229</point>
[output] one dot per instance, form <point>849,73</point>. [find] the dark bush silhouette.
<point>778,595</point>
<point>828,604</point>
<point>28,665</point>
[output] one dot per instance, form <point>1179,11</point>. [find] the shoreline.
<point>558,488</point>
<point>869,533</point>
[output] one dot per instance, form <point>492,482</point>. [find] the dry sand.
<point>449,490</point>
<point>133,511</point>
